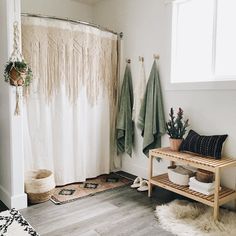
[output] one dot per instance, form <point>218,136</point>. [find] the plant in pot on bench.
<point>176,128</point>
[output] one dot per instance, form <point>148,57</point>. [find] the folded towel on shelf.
<point>201,191</point>
<point>201,185</point>
<point>204,188</point>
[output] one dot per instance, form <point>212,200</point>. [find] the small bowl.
<point>204,176</point>
<point>177,178</point>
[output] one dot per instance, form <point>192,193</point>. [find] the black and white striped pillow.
<point>204,145</point>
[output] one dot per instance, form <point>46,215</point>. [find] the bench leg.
<point>149,189</point>
<point>216,197</point>
<point>150,167</point>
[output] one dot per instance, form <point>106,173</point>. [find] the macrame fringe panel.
<point>72,56</point>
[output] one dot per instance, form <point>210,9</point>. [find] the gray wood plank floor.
<point>123,211</point>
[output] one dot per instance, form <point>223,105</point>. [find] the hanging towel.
<point>139,92</point>
<point>125,129</point>
<point>151,117</point>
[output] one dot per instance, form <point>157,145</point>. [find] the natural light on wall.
<point>203,41</point>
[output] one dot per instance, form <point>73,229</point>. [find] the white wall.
<point>147,30</point>
<point>59,8</point>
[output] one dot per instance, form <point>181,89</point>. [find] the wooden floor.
<point>122,211</point>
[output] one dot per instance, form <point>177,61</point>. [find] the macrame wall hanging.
<point>73,55</point>
<point>17,72</point>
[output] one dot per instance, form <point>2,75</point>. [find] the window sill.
<point>214,85</point>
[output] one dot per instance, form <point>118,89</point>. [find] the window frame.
<point>218,82</point>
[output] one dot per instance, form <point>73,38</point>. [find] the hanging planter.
<point>17,72</point>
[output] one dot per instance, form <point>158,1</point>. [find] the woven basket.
<point>204,176</point>
<point>39,185</point>
<point>17,77</point>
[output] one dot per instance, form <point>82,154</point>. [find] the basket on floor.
<point>39,185</point>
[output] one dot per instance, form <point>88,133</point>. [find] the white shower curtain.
<point>71,105</point>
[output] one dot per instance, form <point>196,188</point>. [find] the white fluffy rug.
<point>12,223</point>
<point>184,218</point>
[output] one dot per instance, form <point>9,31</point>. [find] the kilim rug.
<point>12,223</point>
<point>90,187</point>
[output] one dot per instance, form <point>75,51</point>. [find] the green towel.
<point>151,119</point>
<point>124,127</point>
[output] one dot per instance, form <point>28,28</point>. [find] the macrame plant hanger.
<point>17,72</point>
<point>17,56</point>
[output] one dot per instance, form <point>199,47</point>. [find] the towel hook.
<point>156,56</point>
<point>141,59</point>
<point>128,61</point>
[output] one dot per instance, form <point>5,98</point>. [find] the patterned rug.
<point>12,223</point>
<point>90,187</point>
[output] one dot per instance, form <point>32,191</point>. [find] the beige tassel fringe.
<point>17,108</point>
<point>75,58</point>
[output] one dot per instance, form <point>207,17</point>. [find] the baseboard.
<point>126,175</point>
<point>141,168</point>
<point>136,170</point>
<point>17,201</point>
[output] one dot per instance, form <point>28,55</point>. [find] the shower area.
<point>70,107</point>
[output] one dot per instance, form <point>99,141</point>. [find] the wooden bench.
<point>220,196</point>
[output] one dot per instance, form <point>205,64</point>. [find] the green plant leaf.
<point>176,126</point>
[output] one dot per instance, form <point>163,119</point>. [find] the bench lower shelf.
<point>225,194</point>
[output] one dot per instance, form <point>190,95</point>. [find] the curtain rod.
<point>74,21</point>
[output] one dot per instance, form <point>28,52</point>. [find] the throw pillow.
<point>203,145</point>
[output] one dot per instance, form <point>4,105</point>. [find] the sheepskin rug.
<point>184,218</point>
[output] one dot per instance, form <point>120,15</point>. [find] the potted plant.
<point>176,128</point>
<point>18,73</point>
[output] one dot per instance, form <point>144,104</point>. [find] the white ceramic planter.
<point>177,178</point>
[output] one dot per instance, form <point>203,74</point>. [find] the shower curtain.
<point>70,107</point>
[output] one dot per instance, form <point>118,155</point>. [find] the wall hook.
<point>128,61</point>
<point>156,56</point>
<point>141,59</point>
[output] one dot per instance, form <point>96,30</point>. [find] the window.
<point>203,41</point>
